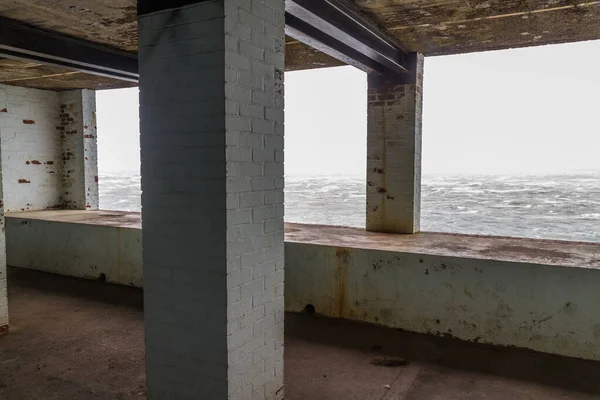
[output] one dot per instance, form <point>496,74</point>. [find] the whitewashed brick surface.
<point>79,149</point>
<point>394,154</point>
<point>31,148</point>
<point>41,164</point>
<point>45,161</point>
<point>3,277</point>
<point>211,103</point>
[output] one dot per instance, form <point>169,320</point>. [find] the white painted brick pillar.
<point>3,277</point>
<point>394,151</point>
<point>79,149</point>
<point>211,115</point>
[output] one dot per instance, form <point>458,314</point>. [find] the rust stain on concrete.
<point>341,272</point>
<point>498,248</point>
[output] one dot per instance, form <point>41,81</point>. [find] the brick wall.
<point>211,103</point>
<point>394,153</point>
<point>3,280</point>
<point>31,149</point>
<point>79,150</point>
<point>42,141</point>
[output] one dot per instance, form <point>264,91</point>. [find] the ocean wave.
<point>559,206</point>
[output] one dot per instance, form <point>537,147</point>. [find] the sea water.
<point>557,206</point>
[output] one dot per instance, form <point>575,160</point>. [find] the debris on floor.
<point>390,362</point>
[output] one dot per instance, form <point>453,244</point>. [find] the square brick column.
<point>79,149</point>
<point>211,119</point>
<point>394,151</point>
<point>3,277</point>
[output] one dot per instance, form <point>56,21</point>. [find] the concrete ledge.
<point>84,244</point>
<point>545,307</point>
<point>492,248</point>
<point>121,219</point>
<point>535,294</point>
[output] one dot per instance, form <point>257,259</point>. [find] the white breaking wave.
<point>565,206</point>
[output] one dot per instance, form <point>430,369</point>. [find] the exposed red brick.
<point>29,121</point>
<point>36,162</point>
<point>27,162</point>
<point>24,181</point>
<point>88,206</point>
<point>4,110</point>
<point>96,179</point>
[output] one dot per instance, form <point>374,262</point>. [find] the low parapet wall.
<point>535,294</point>
<point>92,245</point>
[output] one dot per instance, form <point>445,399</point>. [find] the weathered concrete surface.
<point>74,339</point>
<point>105,252</point>
<point>123,219</point>
<point>436,285</point>
<point>39,76</point>
<point>491,248</point>
<point>435,27</point>
<point>431,27</point>
<point>536,294</point>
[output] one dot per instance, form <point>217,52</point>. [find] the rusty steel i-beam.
<point>335,29</point>
<point>24,42</point>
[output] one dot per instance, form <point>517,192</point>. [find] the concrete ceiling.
<point>432,27</point>
<point>38,76</point>
<point>441,27</point>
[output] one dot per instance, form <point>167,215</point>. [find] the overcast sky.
<point>524,110</point>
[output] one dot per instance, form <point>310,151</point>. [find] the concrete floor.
<point>74,339</point>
